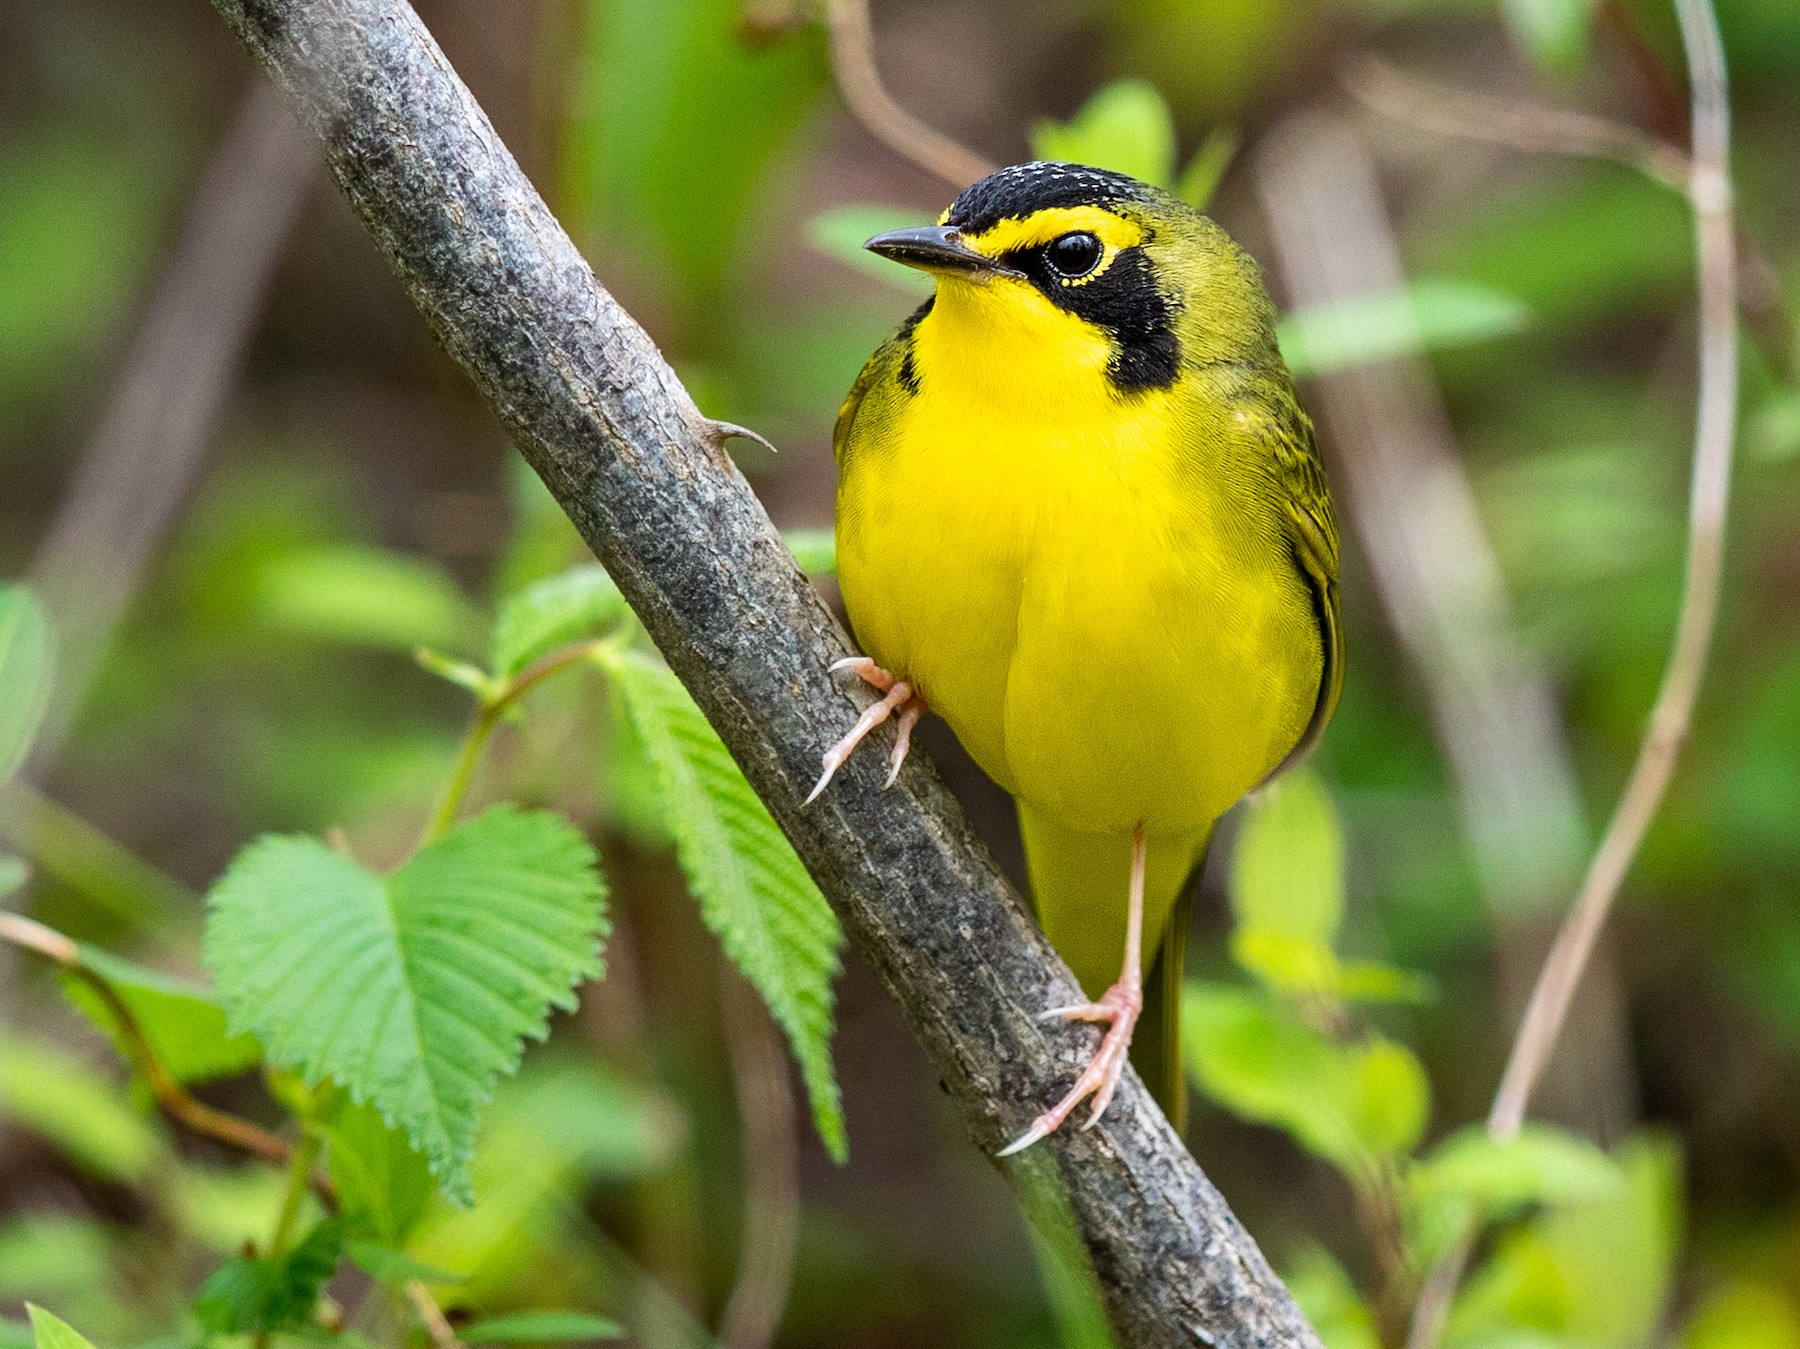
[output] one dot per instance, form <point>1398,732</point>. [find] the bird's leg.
<point>901,697</point>
<point>1120,1005</point>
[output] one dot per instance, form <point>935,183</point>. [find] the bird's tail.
<point>1079,885</point>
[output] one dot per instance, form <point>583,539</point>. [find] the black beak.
<point>935,248</point>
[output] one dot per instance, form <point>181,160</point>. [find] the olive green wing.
<point>888,373</point>
<point>1306,517</point>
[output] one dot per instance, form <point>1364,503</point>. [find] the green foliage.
<point>1590,1273</point>
<point>814,549</point>
<point>435,974</point>
<point>25,655</point>
<point>1746,1315</point>
<point>182,1022</point>
<point>268,1293</point>
<point>1354,1104</point>
<point>1127,127</point>
<point>50,1332</point>
<point>1327,1296</point>
<point>754,893</point>
<point>13,874</point>
<point>1427,315</point>
<point>362,596</point>
<point>396,1267</point>
<point>841,232</point>
<point>553,613</point>
<point>58,1096</point>
<point>1542,1165</point>
<point>383,1183</point>
<point>547,1327</point>
<point>1553,33</point>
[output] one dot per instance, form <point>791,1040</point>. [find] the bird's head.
<point>1048,273</point>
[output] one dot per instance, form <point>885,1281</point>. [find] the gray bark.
<point>596,410</point>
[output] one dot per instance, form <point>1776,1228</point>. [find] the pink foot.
<point>1121,1005</point>
<point>901,697</point>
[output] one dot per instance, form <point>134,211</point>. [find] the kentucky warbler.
<point>1082,515</point>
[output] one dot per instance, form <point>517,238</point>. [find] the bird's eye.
<point>1073,255</point>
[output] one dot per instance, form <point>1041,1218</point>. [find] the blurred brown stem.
<point>183,1108</point>
<point>1709,192</point>
<point>858,79</point>
<point>771,1181</point>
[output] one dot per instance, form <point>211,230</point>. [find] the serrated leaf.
<point>416,990</point>
<point>1543,1165</point>
<point>383,1183</point>
<point>182,1021</point>
<point>1125,127</point>
<point>842,231</point>
<point>25,659</point>
<point>540,1327</point>
<point>363,596</point>
<point>1200,179</point>
<point>553,613</point>
<point>392,1266</point>
<point>52,1332</point>
<point>268,1293</point>
<point>754,894</point>
<point>1424,316</point>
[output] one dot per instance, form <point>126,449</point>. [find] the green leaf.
<point>415,991</point>
<point>1745,1315</point>
<point>362,596</point>
<point>1125,127</point>
<point>540,1327</point>
<point>1328,1297</point>
<point>392,1266</point>
<point>51,1332</point>
<point>1425,316</point>
<point>1543,1165</point>
<point>13,874</point>
<point>1350,1104</point>
<point>55,1094</point>
<point>1200,179</point>
<point>842,231</point>
<point>459,672</point>
<point>1288,867</point>
<point>25,659</point>
<point>1553,33</point>
<point>383,1183</point>
<point>754,894</point>
<point>182,1021</point>
<point>814,549</point>
<point>553,613</point>
<point>269,1293</point>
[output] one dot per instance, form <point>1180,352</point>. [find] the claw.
<point>900,697</point>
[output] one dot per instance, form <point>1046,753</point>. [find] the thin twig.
<point>437,1325</point>
<point>1501,121</point>
<point>1708,190</point>
<point>771,1181</point>
<point>184,1109</point>
<point>853,63</point>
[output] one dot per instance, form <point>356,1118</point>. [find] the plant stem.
<point>174,1099</point>
<point>481,728</point>
<point>300,1169</point>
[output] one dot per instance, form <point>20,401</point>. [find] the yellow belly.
<point>1092,607</point>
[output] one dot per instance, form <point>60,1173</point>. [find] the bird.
<point>1083,518</point>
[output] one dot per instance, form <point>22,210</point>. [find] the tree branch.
<point>603,420</point>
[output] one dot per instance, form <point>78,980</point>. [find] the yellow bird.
<point>1081,515</point>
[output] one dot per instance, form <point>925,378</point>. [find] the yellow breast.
<point>1083,585</point>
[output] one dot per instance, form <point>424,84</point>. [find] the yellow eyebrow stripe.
<point>1040,227</point>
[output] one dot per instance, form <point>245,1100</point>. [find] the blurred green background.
<point>349,500</point>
